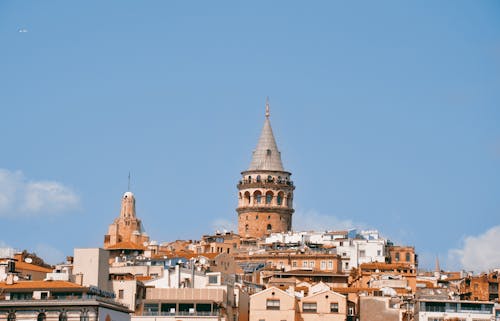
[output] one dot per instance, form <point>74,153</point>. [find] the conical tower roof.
<point>266,155</point>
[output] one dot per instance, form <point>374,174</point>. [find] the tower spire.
<point>266,155</point>
<point>267,107</point>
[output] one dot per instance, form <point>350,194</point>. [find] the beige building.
<point>324,305</point>
<point>265,197</point>
<point>273,304</point>
<point>92,265</point>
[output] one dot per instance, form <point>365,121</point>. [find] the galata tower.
<point>265,191</point>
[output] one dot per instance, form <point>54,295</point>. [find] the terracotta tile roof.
<point>209,256</point>
<point>125,246</point>
<point>385,266</point>
<point>353,290</point>
<point>31,267</point>
<point>29,285</point>
<point>143,278</point>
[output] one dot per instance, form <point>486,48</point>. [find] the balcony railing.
<point>182,313</point>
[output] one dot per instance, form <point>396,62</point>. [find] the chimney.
<point>79,279</point>
<point>10,279</point>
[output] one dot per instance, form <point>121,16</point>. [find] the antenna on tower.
<point>267,107</point>
<point>128,181</point>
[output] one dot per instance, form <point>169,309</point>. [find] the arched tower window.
<point>246,227</point>
<point>249,179</point>
<point>269,227</point>
<point>257,195</point>
<point>258,179</point>
<point>270,179</point>
<point>269,197</point>
<point>247,198</point>
<point>11,317</point>
<point>41,317</point>
<point>279,198</point>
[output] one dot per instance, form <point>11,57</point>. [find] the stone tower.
<point>265,198</point>
<point>126,230</point>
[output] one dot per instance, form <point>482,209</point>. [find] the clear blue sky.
<point>386,112</point>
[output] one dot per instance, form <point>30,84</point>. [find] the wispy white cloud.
<point>221,225</point>
<point>20,197</point>
<point>479,253</point>
<point>311,220</point>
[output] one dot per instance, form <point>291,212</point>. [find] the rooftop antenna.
<point>267,107</point>
<point>128,181</point>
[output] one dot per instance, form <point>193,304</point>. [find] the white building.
<point>354,247</point>
<point>438,310</point>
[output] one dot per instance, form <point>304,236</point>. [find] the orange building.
<point>484,287</point>
<point>126,232</point>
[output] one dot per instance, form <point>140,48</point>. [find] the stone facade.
<point>127,228</point>
<point>265,197</point>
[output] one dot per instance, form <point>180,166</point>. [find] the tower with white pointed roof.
<point>126,232</point>
<point>265,197</point>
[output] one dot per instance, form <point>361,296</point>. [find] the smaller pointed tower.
<point>265,198</point>
<point>126,230</point>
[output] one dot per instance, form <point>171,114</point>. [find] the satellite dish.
<point>28,260</point>
<point>16,278</point>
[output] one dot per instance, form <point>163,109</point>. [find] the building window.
<point>334,307</point>
<point>323,265</point>
<point>63,316</point>
<point>279,199</point>
<point>258,178</point>
<point>304,264</point>
<point>120,294</point>
<point>362,253</point>
<point>407,257</point>
<point>309,307</point>
<point>11,317</point>
<point>246,227</point>
<point>258,198</point>
<point>311,264</point>
<point>379,252</point>
<point>269,227</point>
<point>41,317</point>
<point>213,279</point>
<point>294,263</point>
<point>269,198</point>
<point>397,256</point>
<point>272,304</point>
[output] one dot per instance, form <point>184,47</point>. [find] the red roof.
<point>125,246</point>
<point>35,285</point>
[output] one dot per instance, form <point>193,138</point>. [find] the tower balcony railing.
<point>262,182</point>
